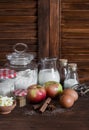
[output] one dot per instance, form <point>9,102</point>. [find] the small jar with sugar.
<point>72,76</point>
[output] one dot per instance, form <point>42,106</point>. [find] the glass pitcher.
<point>48,71</point>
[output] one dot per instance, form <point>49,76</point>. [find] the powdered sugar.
<point>70,82</point>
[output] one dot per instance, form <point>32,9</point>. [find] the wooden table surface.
<point>75,118</point>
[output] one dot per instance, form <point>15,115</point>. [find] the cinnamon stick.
<point>45,104</point>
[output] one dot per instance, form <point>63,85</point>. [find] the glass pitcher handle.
<point>18,45</point>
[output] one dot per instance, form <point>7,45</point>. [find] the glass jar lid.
<point>19,56</point>
<point>63,62</point>
<point>72,66</point>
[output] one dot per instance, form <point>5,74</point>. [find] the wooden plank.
<point>17,35</point>
<point>17,5</point>
<point>75,30</point>
<point>43,30</point>
<point>17,1</point>
<point>18,19</point>
<point>75,35</point>
<point>54,28</point>
<point>11,42</point>
<point>76,25</point>
<point>18,12</point>
<point>75,50</point>
<point>75,57</point>
<point>72,14</point>
<point>75,21</point>
<point>74,1</point>
<point>18,28</point>
<point>75,6</point>
<point>71,43</point>
<point>48,31</point>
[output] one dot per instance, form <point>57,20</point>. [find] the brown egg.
<point>71,92</point>
<point>66,101</point>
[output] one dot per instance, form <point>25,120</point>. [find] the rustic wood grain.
<point>68,32</point>
<point>50,28</point>
<point>18,23</point>
<point>73,118</point>
<point>43,28</point>
<point>75,1</point>
<point>75,33</point>
<point>54,28</point>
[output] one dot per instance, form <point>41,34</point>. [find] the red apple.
<point>36,93</point>
<point>53,88</point>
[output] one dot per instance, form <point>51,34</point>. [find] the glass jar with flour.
<point>72,76</point>
<point>22,63</point>
<point>7,77</point>
<point>48,71</point>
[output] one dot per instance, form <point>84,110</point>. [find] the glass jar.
<point>21,62</point>
<point>6,81</point>
<point>72,76</point>
<point>48,71</point>
<point>63,69</point>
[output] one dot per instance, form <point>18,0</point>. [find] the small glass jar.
<point>7,81</point>
<point>48,71</point>
<point>22,63</point>
<point>72,76</point>
<point>63,69</point>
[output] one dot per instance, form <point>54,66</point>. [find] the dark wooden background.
<point>75,33</point>
<point>49,27</point>
<point>18,23</point>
